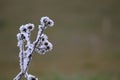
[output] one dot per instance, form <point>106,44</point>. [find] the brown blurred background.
<point>86,38</point>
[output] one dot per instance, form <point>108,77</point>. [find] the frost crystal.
<point>41,45</point>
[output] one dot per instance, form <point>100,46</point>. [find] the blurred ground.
<point>86,38</point>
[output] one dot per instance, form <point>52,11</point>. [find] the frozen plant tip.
<point>41,45</point>
<point>46,21</point>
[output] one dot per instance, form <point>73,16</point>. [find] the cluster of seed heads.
<point>41,45</point>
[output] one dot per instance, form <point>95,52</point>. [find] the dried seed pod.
<point>46,21</point>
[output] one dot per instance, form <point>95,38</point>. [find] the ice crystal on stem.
<point>41,45</point>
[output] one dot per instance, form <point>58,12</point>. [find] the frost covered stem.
<point>38,37</point>
<point>32,50</point>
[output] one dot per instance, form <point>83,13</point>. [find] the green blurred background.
<point>86,38</point>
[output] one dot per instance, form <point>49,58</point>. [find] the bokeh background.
<point>86,38</point>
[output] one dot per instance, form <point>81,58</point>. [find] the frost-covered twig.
<point>41,45</point>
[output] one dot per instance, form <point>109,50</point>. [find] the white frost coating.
<point>41,45</point>
<point>50,46</point>
<point>31,77</point>
<point>51,23</point>
<point>46,21</point>
<point>26,60</point>
<point>44,36</point>
<point>20,38</point>
<point>22,28</point>
<point>29,26</point>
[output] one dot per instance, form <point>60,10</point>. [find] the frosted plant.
<point>41,45</point>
